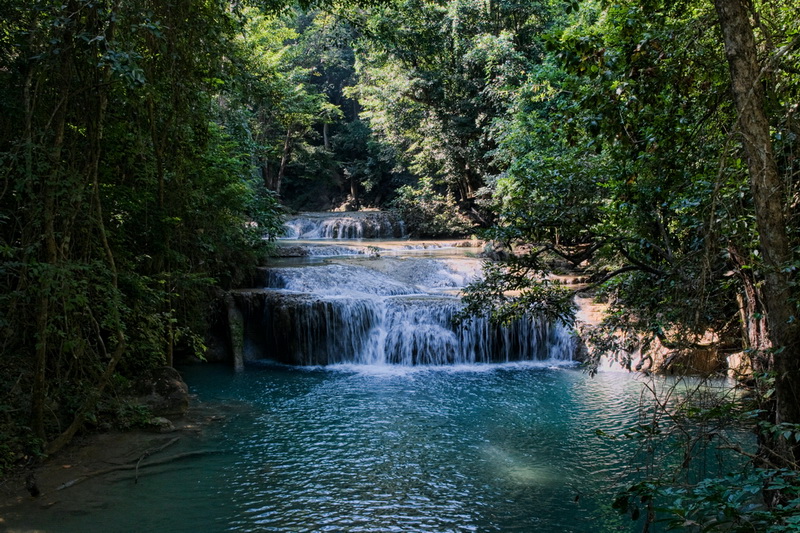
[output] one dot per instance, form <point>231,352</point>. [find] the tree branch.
<point>610,275</point>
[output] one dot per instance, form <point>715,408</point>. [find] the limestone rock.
<point>739,366</point>
<point>163,425</point>
<point>164,392</point>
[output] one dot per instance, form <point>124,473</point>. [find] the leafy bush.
<point>704,470</point>
<point>428,213</point>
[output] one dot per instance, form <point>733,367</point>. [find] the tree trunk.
<point>158,151</point>
<point>287,153</point>
<point>39,373</point>
<point>751,310</point>
<point>766,187</point>
<point>354,192</point>
<point>266,172</point>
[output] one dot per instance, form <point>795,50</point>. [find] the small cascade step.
<point>355,225</point>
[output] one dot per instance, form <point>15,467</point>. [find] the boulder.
<point>162,424</point>
<point>164,392</point>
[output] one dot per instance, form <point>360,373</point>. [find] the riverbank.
<point>74,481</point>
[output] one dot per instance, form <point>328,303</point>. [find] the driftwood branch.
<point>150,452</point>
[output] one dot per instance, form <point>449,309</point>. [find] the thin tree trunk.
<point>157,151</point>
<point>39,386</point>
<point>751,310</point>
<point>354,192</point>
<point>266,173</point>
<point>37,392</point>
<point>169,356</point>
<point>287,153</point>
<point>767,191</point>
<point>39,376</point>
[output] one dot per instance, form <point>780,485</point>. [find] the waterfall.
<point>376,320</point>
<point>335,280</point>
<point>397,306</point>
<point>355,225</point>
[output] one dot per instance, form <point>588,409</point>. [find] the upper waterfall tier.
<point>384,277</point>
<point>347,225</point>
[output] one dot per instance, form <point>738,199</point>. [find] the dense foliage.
<point>127,198</point>
<point>617,152</point>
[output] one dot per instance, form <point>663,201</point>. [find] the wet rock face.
<point>164,392</point>
<point>292,251</point>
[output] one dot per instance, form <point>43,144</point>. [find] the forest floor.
<point>75,479</point>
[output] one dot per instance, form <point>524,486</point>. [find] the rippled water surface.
<point>475,448</point>
<point>461,449</point>
<point>490,448</point>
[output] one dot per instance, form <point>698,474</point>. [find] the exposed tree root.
<point>135,465</point>
<point>150,452</point>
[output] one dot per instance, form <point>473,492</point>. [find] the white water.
<point>397,305</point>
<point>356,225</point>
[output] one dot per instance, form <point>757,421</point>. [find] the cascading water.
<point>355,225</point>
<point>399,310</point>
<point>307,329</point>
